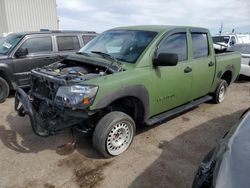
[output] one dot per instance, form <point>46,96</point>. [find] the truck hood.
<point>93,60</point>
<point>220,47</point>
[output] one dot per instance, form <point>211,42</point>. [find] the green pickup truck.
<point>126,77</point>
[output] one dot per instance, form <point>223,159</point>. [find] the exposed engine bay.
<point>74,71</point>
<point>59,99</point>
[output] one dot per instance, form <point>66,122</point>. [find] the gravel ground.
<point>166,155</point>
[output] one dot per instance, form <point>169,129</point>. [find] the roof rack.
<point>67,31</point>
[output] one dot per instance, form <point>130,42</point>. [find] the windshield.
<point>8,43</point>
<point>219,39</point>
<point>244,49</point>
<point>123,45</point>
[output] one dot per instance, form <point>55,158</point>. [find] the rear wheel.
<point>4,89</point>
<point>220,92</point>
<point>114,134</point>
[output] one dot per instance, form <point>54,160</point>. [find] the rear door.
<point>40,53</point>
<point>203,63</point>
<point>67,44</point>
<point>171,84</point>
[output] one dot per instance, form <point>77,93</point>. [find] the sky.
<point>100,15</point>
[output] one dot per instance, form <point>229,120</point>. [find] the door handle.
<point>187,70</point>
<point>211,63</point>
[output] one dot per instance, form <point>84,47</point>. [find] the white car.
<point>244,49</point>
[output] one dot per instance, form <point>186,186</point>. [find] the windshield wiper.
<point>105,55</point>
<point>82,53</point>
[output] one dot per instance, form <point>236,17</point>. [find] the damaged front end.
<point>58,99</point>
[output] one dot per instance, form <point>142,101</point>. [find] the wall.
<point>30,15</point>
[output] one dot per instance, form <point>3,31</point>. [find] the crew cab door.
<point>203,63</point>
<point>171,84</point>
<point>39,53</point>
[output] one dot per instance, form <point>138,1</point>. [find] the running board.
<point>165,115</point>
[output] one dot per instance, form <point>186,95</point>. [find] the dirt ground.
<point>166,155</point>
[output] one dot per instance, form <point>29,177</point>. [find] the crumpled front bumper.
<point>23,106</point>
<point>48,126</point>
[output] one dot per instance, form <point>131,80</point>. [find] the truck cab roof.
<point>158,28</point>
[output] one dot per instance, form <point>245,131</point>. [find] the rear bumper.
<point>47,126</point>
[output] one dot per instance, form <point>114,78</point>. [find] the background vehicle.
<point>227,165</point>
<point>244,49</point>
<point>227,40</point>
<point>224,41</point>
<point>21,52</point>
<point>126,77</point>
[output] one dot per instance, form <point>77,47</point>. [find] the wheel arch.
<point>227,75</point>
<point>137,93</point>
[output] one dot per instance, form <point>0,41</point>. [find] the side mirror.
<point>21,52</point>
<point>166,59</point>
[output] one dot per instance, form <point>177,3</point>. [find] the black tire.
<point>4,89</point>
<point>113,123</point>
<point>217,94</point>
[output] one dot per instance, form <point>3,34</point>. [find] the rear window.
<point>66,43</point>
<point>200,45</point>
<point>86,39</point>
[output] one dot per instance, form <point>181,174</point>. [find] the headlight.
<point>77,95</point>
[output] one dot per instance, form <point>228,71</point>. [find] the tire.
<point>220,92</point>
<point>4,89</point>
<point>113,134</point>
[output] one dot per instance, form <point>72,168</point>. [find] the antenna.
<point>221,27</point>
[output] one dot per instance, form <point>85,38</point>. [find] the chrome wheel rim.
<point>119,137</point>
<point>222,93</point>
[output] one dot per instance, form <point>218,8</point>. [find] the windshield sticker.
<point>7,45</point>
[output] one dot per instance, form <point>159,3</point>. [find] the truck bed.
<point>227,61</point>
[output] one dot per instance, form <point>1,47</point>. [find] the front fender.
<point>137,91</point>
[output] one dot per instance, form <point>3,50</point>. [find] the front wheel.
<point>113,134</point>
<point>220,92</point>
<point>4,89</point>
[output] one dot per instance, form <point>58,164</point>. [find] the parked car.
<point>21,52</point>
<point>227,165</point>
<point>125,77</point>
<point>244,49</point>
<point>222,42</point>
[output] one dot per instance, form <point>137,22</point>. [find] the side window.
<point>38,45</point>
<point>200,45</point>
<point>86,39</point>
<point>176,43</point>
<point>65,43</point>
<point>233,41</point>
